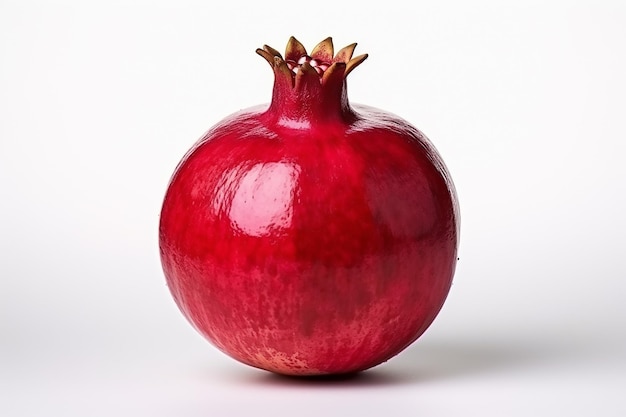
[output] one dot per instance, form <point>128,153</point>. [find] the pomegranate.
<point>310,236</point>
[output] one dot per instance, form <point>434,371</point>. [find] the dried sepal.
<point>305,75</point>
<point>345,54</point>
<point>335,72</point>
<point>324,51</point>
<point>272,51</point>
<point>294,50</point>
<point>353,63</point>
<point>282,71</point>
<point>266,55</point>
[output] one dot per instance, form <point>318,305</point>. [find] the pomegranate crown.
<point>322,64</point>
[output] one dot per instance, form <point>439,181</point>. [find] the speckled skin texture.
<point>310,237</point>
<point>316,252</point>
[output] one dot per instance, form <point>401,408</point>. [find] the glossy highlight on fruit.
<point>310,236</point>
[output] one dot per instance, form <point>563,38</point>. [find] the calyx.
<point>321,63</point>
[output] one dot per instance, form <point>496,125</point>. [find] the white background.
<point>526,101</point>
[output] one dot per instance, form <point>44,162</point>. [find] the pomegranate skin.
<point>310,247</point>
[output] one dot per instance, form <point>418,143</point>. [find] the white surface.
<point>526,102</point>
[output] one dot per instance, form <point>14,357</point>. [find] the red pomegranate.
<point>310,236</point>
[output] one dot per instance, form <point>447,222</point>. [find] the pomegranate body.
<point>319,244</point>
